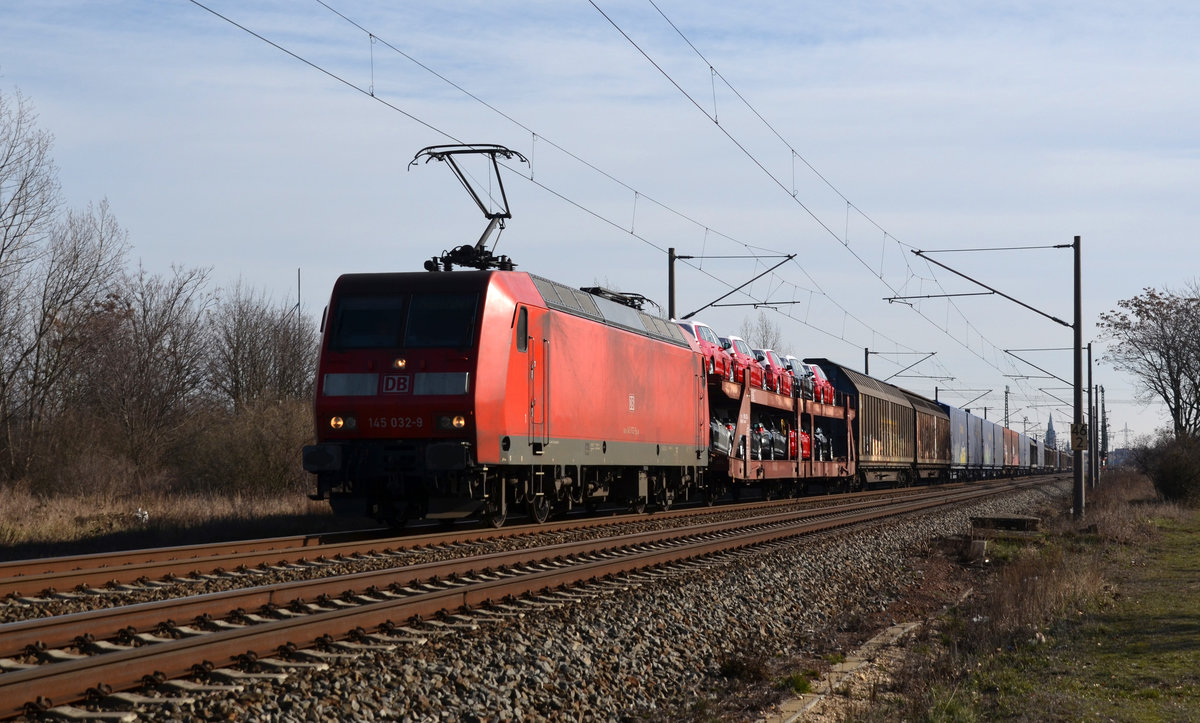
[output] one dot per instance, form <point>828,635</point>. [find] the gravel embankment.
<point>653,650</point>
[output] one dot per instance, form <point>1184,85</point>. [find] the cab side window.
<point>523,329</point>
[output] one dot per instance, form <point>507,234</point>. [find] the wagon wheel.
<point>539,508</point>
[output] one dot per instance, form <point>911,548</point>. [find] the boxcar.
<point>993,453</point>
<point>960,441</point>
<point>901,437</point>
<point>933,446</point>
<point>884,424</point>
<point>975,447</point>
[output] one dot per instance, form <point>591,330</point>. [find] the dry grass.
<point>223,476</point>
<point>1034,587</point>
<point>1121,511</point>
<point>34,525</point>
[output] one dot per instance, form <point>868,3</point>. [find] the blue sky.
<point>932,125</point>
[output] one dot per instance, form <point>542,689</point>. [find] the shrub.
<point>798,683</point>
<point>1173,465</point>
<point>256,450</point>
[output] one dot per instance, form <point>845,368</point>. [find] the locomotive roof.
<point>556,296</point>
<point>385,282</point>
<point>597,308</point>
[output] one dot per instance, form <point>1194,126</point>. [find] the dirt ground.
<point>879,643</point>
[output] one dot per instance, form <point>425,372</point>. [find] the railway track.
<point>57,575</point>
<point>68,658</point>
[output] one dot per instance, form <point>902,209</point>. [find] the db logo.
<point>397,383</point>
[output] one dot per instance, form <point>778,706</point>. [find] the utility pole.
<point>1079,431</point>
<point>1006,407</point>
<point>1077,426</point>
<point>1103,428</point>
<point>671,283</point>
<point>1093,428</point>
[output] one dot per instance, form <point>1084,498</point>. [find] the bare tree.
<point>762,333</point>
<point>29,188</point>
<point>150,369</point>
<point>1156,341</point>
<point>53,267</point>
<point>260,350</point>
<point>79,268</point>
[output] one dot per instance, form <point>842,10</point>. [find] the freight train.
<point>477,393</point>
<point>457,393</point>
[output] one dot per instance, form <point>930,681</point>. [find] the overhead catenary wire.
<point>774,284</point>
<point>778,182</point>
<point>637,193</point>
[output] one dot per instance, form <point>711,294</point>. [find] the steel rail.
<point>70,681</point>
<point>119,558</point>
<point>30,577</point>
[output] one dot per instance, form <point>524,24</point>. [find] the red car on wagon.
<point>746,368</point>
<point>779,379</point>
<point>822,387</point>
<point>717,360</point>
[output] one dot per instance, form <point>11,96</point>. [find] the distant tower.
<point>1051,438</point>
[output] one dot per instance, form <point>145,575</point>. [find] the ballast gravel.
<point>661,646</point>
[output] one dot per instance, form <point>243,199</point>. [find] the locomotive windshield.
<point>404,321</point>
<point>441,320</point>
<point>368,322</point>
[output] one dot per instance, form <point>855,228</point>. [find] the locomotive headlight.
<point>336,423</point>
<point>448,422</point>
<point>347,423</point>
<point>399,363</point>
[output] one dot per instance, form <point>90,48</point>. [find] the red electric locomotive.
<point>449,394</point>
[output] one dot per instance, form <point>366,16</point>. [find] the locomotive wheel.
<point>664,497</point>
<point>539,508</point>
<point>393,513</point>
<point>493,515</point>
<point>638,506</point>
